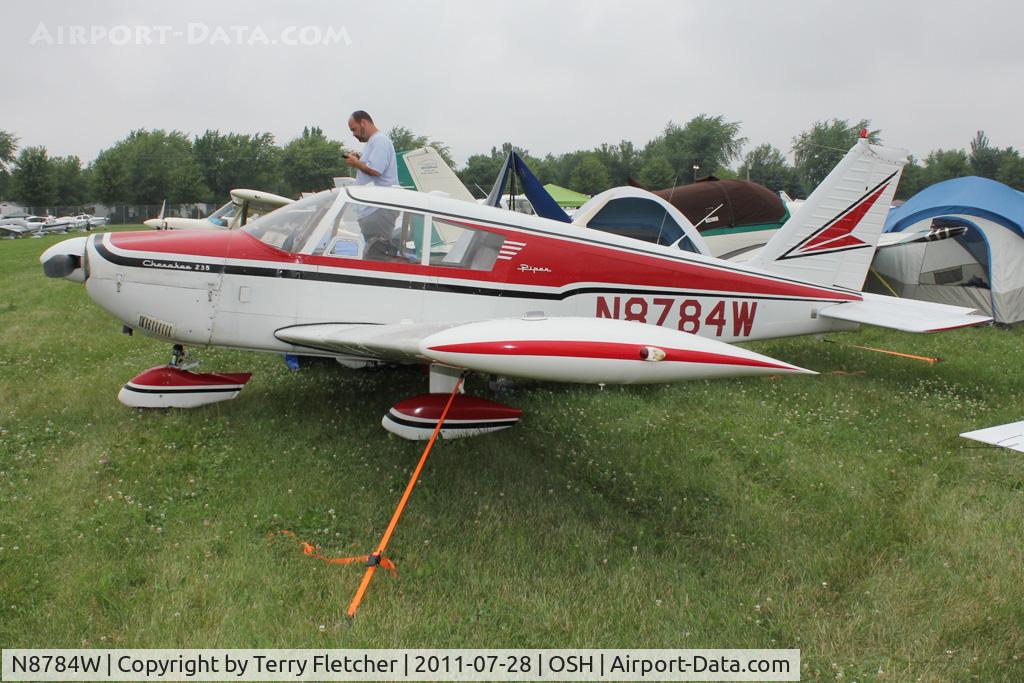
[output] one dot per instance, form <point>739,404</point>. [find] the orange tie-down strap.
<point>310,551</point>
<point>376,558</point>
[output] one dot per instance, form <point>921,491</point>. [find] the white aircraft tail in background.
<point>832,237</point>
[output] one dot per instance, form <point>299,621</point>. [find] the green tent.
<point>565,197</point>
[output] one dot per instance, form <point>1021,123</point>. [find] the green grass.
<point>839,514</point>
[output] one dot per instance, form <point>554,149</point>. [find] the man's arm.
<point>354,161</point>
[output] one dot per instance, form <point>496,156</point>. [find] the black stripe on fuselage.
<point>474,290</point>
<point>182,390</point>
<point>430,424</point>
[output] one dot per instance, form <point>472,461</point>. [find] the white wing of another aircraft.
<point>1005,436</point>
<point>429,173</point>
<point>244,206</point>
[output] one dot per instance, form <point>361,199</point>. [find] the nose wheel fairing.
<point>167,386</point>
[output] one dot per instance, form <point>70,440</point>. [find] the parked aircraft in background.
<point>244,206</point>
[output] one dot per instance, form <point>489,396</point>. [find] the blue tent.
<point>971,196</point>
<point>981,269</point>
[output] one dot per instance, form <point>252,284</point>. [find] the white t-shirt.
<point>379,154</point>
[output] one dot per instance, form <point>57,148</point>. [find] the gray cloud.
<point>550,77</point>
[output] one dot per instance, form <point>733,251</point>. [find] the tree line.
<point>150,166</point>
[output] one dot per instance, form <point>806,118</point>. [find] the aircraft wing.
<point>565,349</point>
<point>1006,436</point>
<point>260,202</point>
<point>395,343</point>
<point>14,230</point>
<point>907,315</point>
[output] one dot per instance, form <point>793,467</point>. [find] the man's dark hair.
<point>360,115</point>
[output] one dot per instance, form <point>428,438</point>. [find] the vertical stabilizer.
<point>831,238</point>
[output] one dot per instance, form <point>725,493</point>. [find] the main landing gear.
<point>415,418</point>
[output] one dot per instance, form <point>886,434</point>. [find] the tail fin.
<point>163,207</point>
<point>831,238</point>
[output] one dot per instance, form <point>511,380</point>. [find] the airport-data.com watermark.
<point>193,33</point>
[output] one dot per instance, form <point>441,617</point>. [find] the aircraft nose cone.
<point>64,259</point>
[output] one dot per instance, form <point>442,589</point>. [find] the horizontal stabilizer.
<point>895,239</point>
<point>903,314</point>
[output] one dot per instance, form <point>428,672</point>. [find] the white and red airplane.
<point>464,287</point>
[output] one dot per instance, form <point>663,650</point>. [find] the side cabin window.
<point>370,233</point>
<point>456,245</point>
<point>641,219</point>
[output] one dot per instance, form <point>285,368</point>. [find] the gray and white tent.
<point>983,268</point>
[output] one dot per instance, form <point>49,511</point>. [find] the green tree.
<point>818,150</point>
<point>590,176</point>
<point>657,174</point>
<point>33,182</point>
<point>70,183</point>
<point>231,161</point>
<point>945,164</point>
<point>481,170</point>
<point>765,164</point>
<point>1011,169</point>
<point>310,162</point>
<point>705,142</point>
<point>621,161</point>
<point>148,167</point>
<point>984,158</point>
<point>109,174</point>
<point>8,147</point>
<point>912,181</point>
<point>405,140</point>
<point>559,169</point>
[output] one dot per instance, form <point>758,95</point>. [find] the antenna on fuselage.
<point>664,215</point>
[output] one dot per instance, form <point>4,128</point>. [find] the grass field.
<point>839,514</point>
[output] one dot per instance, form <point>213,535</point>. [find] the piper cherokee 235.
<point>464,287</point>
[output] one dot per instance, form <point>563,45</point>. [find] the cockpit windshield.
<point>289,227</point>
<point>224,214</point>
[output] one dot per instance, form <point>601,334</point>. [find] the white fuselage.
<point>229,289</point>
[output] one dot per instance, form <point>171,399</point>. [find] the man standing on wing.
<point>377,165</point>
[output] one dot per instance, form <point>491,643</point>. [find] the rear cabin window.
<point>457,246</point>
<point>641,219</point>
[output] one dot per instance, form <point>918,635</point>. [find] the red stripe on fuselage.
<point>552,262</point>
<point>602,350</point>
<point>211,243</point>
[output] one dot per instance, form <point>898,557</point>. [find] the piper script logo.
<point>526,268</point>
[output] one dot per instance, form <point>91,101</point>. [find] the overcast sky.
<point>547,76</point>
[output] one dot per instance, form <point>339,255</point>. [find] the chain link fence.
<point>117,214</point>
